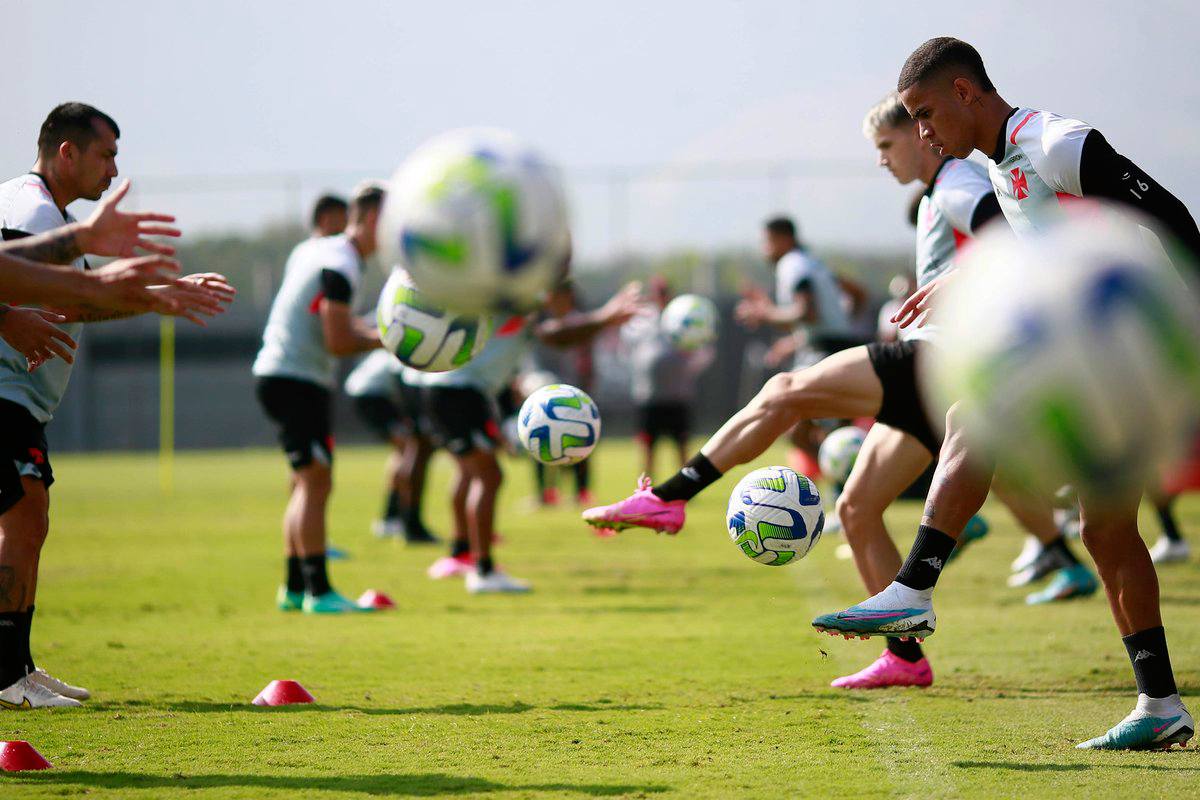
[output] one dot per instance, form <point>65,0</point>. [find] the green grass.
<point>642,666</point>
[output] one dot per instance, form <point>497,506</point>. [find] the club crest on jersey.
<point>1020,185</point>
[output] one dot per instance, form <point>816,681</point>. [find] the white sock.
<point>1160,706</point>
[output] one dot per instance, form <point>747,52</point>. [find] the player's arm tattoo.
<point>93,314</point>
<point>60,246</point>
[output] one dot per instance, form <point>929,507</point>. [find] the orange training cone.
<point>20,756</point>
<point>283,693</point>
<point>377,600</point>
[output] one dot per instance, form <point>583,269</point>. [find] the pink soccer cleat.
<point>888,670</point>
<point>451,566</point>
<point>642,509</point>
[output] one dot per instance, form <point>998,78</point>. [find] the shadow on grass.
<point>455,709</point>
<point>1018,766</point>
<point>419,785</point>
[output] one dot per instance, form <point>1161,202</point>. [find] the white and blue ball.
<point>839,452</point>
<point>423,334</point>
<point>559,424</point>
<point>690,321</point>
<point>775,516</point>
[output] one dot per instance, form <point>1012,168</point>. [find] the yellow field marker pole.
<point>166,404</point>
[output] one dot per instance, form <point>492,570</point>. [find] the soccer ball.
<point>690,321</point>
<point>839,451</point>
<point>1074,352</point>
<point>559,424</point>
<point>775,516</point>
<point>479,220</point>
<point>424,335</point>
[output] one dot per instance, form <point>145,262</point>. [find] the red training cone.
<point>20,756</point>
<point>377,600</point>
<point>283,693</point>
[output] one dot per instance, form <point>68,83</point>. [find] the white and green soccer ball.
<point>839,452</point>
<point>1074,352</point>
<point>775,516</point>
<point>690,321</point>
<point>559,424</point>
<point>479,219</point>
<point>424,335</point>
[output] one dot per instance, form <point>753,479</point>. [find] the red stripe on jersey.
<point>512,325</point>
<point>1067,197</point>
<point>315,306</point>
<point>1021,124</point>
<point>960,238</point>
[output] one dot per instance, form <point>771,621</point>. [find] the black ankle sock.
<point>1061,551</point>
<point>1151,662</point>
<point>316,576</point>
<point>12,647</point>
<point>294,574</point>
<point>696,475</point>
<point>29,665</point>
<point>1166,518</point>
<point>394,507</point>
<point>909,651</point>
<point>485,565</point>
<point>926,559</point>
<point>459,548</point>
<point>583,477</point>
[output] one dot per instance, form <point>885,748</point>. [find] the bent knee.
<point>854,509</point>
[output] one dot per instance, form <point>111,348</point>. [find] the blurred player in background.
<point>391,408</point>
<point>1035,159</point>
<point>311,325</point>
<point>662,379</point>
<point>461,406</point>
<point>330,215</point>
<point>76,159</point>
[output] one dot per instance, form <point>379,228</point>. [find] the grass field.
<point>641,666</point>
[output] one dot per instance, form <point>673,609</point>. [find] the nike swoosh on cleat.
<point>1166,725</point>
<point>23,704</point>
<point>871,614</point>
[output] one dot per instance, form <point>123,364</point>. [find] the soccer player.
<point>808,304</point>
<point>76,158</point>
<point>330,215</point>
<point>392,409</point>
<point>460,406</point>
<point>310,326</point>
<point>1034,159</point>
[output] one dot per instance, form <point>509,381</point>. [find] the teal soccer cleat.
<point>288,601</point>
<point>897,611</point>
<point>330,603</point>
<point>1142,730</point>
<point>1073,581</point>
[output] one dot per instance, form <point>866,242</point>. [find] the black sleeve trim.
<point>10,233</point>
<point>1103,172</point>
<point>335,286</point>
<point>987,209</point>
<point>802,285</point>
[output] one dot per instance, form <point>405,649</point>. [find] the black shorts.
<point>23,453</point>
<point>670,420</point>
<point>896,365</point>
<point>461,419</point>
<point>382,415</point>
<point>303,413</point>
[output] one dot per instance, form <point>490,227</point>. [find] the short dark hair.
<point>74,123</point>
<point>937,56</point>
<point>326,203</point>
<point>781,226</point>
<point>368,196</point>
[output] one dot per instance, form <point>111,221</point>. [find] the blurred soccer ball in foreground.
<point>839,451</point>
<point>774,516</point>
<point>1074,352</point>
<point>479,220</point>
<point>424,335</point>
<point>559,424</point>
<point>690,321</point>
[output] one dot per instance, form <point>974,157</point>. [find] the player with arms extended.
<point>1035,158</point>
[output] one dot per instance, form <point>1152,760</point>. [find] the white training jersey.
<point>799,271</point>
<point>944,224</point>
<point>377,374</point>
<point>27,209</point>
<point>495,366</point>
<point>1035,165</point>
<point>293,341</point>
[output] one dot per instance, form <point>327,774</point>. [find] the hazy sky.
<point>214,98</point>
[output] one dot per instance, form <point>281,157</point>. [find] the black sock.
<point>926,559</point>
<point>582,477</point>
<point>1151,662</point>
<point>394,507</point>
<point>1166,518</point>
<point>696,475</point>
<point>459,548</point>
<point>908,651</point>
<point>539,475</point>
<point>485,565</point>
<point>12,647</point>
<point>295,574</point>
<point>316,576</point>
<point>1061,552</point>
<point>29,665</point>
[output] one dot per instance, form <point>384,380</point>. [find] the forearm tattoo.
<point>56,247</point>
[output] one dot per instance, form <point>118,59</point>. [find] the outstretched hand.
<point>198,296</point>
<point>624,305</point>
<point>112,232</point>
<point>33,333</point>
<point>920,303</point>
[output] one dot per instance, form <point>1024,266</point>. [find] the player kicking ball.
<point>1034,158</point>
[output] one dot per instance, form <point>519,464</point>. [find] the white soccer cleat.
<point>52,683</point>
<point>387,528</point>
<point>1167,551</point>
<point>28,693</point>
<point>494,582</point>
<point>1028,554</point>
